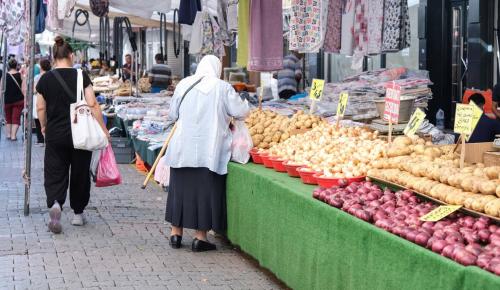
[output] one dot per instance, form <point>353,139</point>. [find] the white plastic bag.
<point>242,143</point>
<point>94,163</point>
<point>86,132</point>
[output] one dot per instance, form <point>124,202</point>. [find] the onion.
<point>440,234</point>
<point>438,246</point>
<point>428,225</point>
<point>479,225</point>
<point>474,249</point>
<point>406,194</point>
<point>411,235</point>
<point>422,238</point>
<point>343,182</point>
<point>494,267</point>
<point>483,260</point>
<point>493,228</point>
<point>363,190</point>
<point>464,257</point>
<point>484,235</point>
<point>448,250</point>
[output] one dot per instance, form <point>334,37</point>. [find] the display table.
<point>310,245</point>
<point>141,148</point>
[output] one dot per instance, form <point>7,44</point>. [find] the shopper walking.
<point>57,90</point>
<point>160,75</point>
<point>290,76</point>
<point>14,100</point>
<point>45,66</point>
<point>199,152</point>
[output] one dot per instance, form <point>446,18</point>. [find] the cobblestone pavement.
<point>123,246</point>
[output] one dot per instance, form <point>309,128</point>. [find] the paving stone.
<point>123,246</point>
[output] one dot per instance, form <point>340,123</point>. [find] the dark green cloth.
<point>310,245</point>
<point>141,148</point>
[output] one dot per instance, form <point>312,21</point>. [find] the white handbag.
<point>86,132</point>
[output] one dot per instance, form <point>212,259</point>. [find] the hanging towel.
<point>52,21</point>
<point>334,26</point>
<point>375,18</point>
<point>13,20</point>
<point>405,26</point>
<point>196,41</point>
<point>347,40</point>
<point>188,10</point>
<point>392,26</point>
<point>308,25</point>
<point>243,26</point>
<point>266,35</point>
<point>40,17</point>
<point>359,34</point>
<point>232,15</point>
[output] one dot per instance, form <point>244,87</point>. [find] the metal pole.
<point>4,82</point>
<point>29,101</point>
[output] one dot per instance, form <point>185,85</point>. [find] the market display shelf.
<point>395,186</point>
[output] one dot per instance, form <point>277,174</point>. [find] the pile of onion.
<point>465,239</point>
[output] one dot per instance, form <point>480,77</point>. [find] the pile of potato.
<point>338,153</point>
<point>268,128</point>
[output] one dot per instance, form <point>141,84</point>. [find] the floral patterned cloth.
<point>307,25</point>
<point>347,40</point>
<point>12,20</point>
<point>375,18</point>
<point>53,22</point>
<point>396,32</point>
<point>334,26</point>
<point>213,42</point>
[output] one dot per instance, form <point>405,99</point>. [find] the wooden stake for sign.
<point>260,97</point>
<point>390,130</point>
<point>462,153</point>
<point>338,121</point>
<point>313,107</point>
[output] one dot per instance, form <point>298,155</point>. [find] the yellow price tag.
<point>316,89</point>
<point>463,119</point>
<point>439,213</point>
<point>475,118</point>
<point>415,121</point>
<point>342,106</point>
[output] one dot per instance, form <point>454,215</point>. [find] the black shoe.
<point>175,241</point>
<point>202,246</point>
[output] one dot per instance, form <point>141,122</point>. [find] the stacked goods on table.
<point>144,85</point>
<point>467,240</point>
<point>106,83</point>
<point>268,128</point>
<point>125,89</point>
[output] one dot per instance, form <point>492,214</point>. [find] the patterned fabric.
<point>396,33</point>
<point>347,40</point>
<point>375,18</point>
<point>308,25</point>
<point>334,26</point>
<point>360,37</point>
<point>12,20</point>
<point>213,42</point>
<point>53,22</point>
<point>64,8</point>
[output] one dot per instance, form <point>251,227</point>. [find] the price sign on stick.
<point>477,113</point>
<point>392,102</point>
<point>439,213</point>
<point>316,89</point>
<point>415,121</point>
<point>464,116</point>
<point>343,97</point>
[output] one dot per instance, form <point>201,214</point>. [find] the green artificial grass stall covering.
<point>310,245</point>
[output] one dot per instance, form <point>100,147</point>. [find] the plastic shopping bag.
<point>242,143</point>
<point>107,170</point>
<point>94,163</point>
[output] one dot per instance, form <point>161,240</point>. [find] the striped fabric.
<point>286,76</point>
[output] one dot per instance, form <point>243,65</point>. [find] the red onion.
<point>422,238</point>
<point>448,250</point>
<point>343,182</point>
<point>483,260</point>
<point>440,234</point>
<point>438,246</point>
<point>479,225</point>
<point>474,249</point>
<point>494,267</point>
<point>484,235</point>
<point>464,257</point>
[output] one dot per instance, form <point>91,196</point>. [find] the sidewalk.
<point>123,246</point>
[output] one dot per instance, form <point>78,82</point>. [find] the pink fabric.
<point>334,26</point>
<point>266,36</point>
<point>375,19</point>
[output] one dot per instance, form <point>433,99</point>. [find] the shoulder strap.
<point>13,78</point>
<point>189,89</point>
<point>62,82</point>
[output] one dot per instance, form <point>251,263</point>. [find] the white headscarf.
<point>210,68</point>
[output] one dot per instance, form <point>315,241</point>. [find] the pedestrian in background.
<point>199,152</point>
<point>45,66</point>
<point>160,75</point>
<point>57,91</point>
<point>14,100</point>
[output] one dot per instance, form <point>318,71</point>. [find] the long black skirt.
<point>197,199</point>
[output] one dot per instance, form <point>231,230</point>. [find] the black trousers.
<point>65,166</point>
<point>38,131</point>
<point>287,94</point>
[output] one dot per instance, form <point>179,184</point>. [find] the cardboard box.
<point>491,158</point>
<point>474,151</point>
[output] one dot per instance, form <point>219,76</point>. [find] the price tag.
<point>415,121</point>
<point>439,213</point>
<point>463,119</point>
<point>342,106</point>
<point>316,89</point>
<point>496,143</point>
<point>392,102</point>
<point>475,118</point>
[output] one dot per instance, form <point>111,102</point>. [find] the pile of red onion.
<point>465,239</point>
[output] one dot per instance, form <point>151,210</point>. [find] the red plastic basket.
<point>291,169</point>
<point>266,160</point>
<point>256,158</point>
<point>307,176</point>
<point>278,164</point>
<point>328,182</point>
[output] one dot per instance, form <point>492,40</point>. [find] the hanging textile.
<point>334,26</point>
<point>207,36</point>
<point>347,39</point>
<point>375,18</point>
<point>243,26</point>
<point>396,33</point>
<point>213,7</point>
<point>188,10</point>
<point>64,8</point>
<point>232,15</point>
<point>52,21</point>
<point>13,21</point>
<point>40,17</point>
<point>308,25</point>
<point>266,35</point>
<point>142,8</point>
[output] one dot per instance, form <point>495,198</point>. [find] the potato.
<point>402,141</point>
<point>493,207</point>
<point>493,172</point>
<point>487,187</point>
<point>497,192</point>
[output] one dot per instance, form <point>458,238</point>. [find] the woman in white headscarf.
<point>199,152</point>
